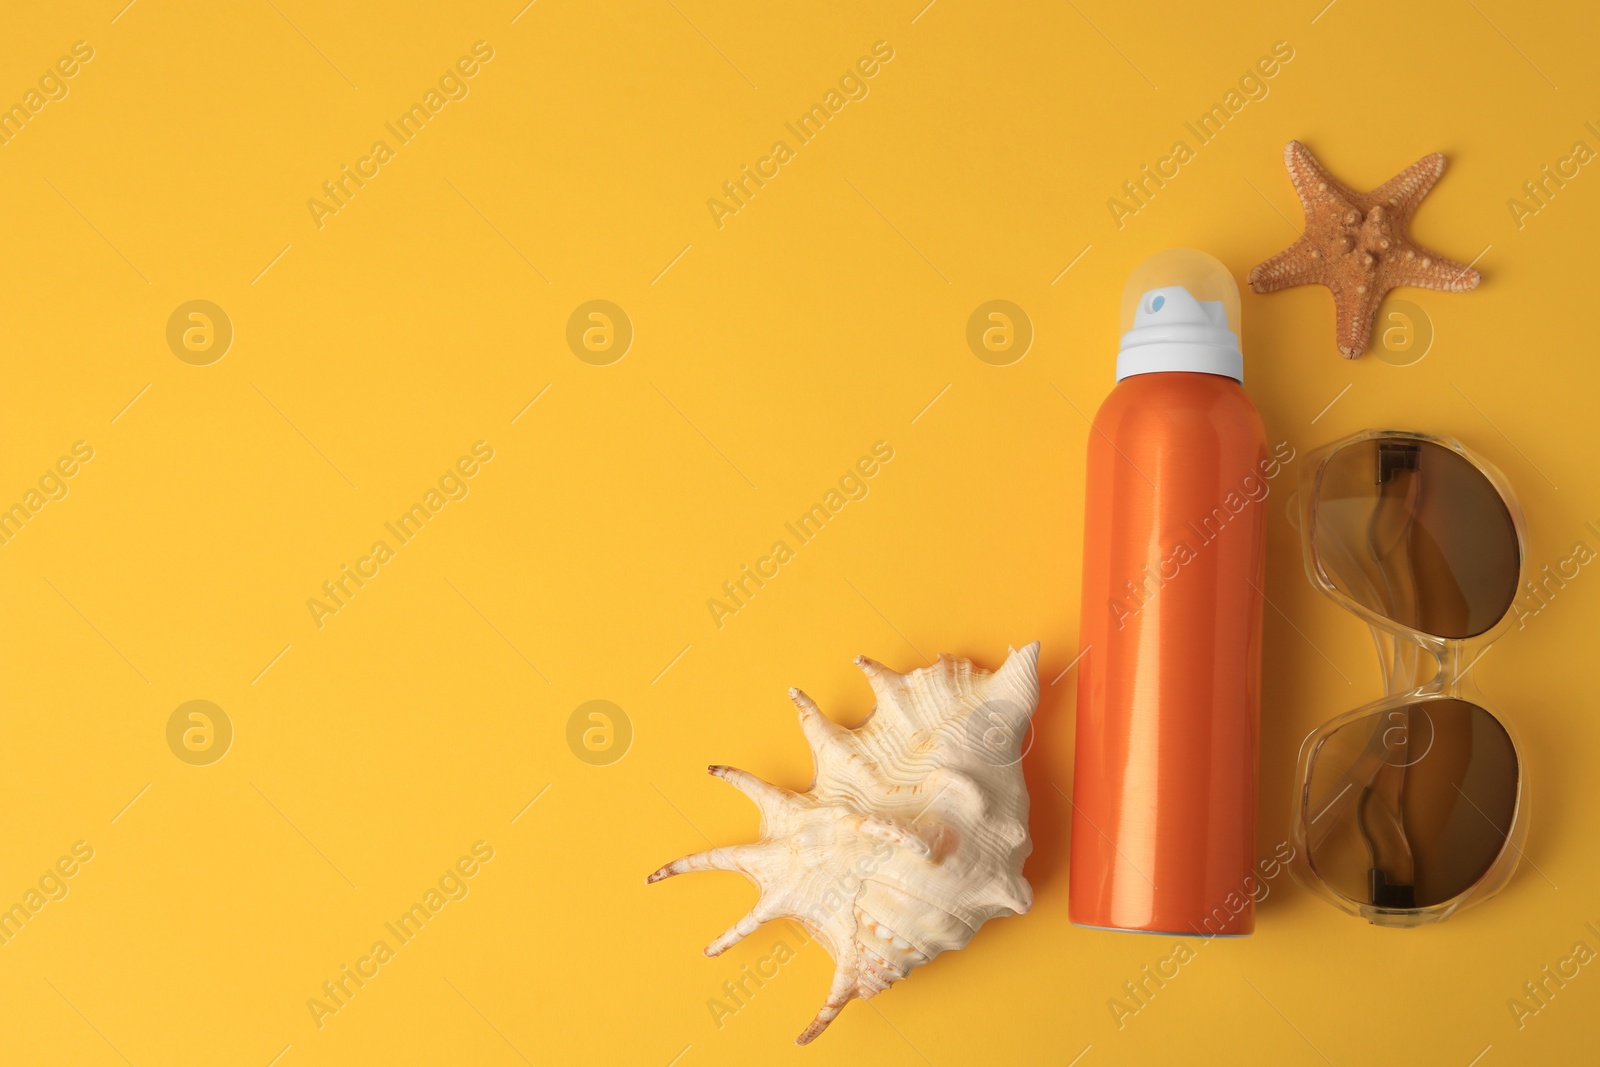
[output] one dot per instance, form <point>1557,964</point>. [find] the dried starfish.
<point>1357,245</point>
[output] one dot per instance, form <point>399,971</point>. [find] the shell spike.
<point>717,859</point>
<point>1019,674</point>
<point>839,994</point>
<point>735,933</point>
<point>769,798</point>
<point>884,682</point>
<point>820,730</point>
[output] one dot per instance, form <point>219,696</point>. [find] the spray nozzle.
<point>1175,304</point>
<point>1180,312</point>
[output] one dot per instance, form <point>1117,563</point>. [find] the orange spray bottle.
<point>1164,786</point>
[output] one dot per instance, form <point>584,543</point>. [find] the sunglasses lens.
<point>1409,807</point>
<point>1415,532</point>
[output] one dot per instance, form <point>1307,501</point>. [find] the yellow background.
<point>768,356</point>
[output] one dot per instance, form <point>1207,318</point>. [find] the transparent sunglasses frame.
<point>1401,652</point>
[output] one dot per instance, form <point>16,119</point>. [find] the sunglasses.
<point>1414,806</point>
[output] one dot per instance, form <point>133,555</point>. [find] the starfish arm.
<point>1295,265</point>
<point>1428,270</point>
<point>1354,312</point>
<point>1313,182</point>
<point>1402,193</point>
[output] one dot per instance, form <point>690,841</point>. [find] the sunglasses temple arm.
<point>1380,817</point>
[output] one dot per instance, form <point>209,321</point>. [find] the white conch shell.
<point>912,833</point>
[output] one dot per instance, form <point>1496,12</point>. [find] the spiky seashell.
<point>912,833</point>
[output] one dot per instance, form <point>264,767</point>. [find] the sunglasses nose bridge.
<point>1413,662</point>
<point>1456,662</point>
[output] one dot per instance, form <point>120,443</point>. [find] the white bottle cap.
<point>1180,312</point>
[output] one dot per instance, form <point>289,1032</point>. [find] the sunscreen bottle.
<point>1164,785</point>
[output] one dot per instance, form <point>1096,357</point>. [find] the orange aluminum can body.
<point>1169,690</point>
